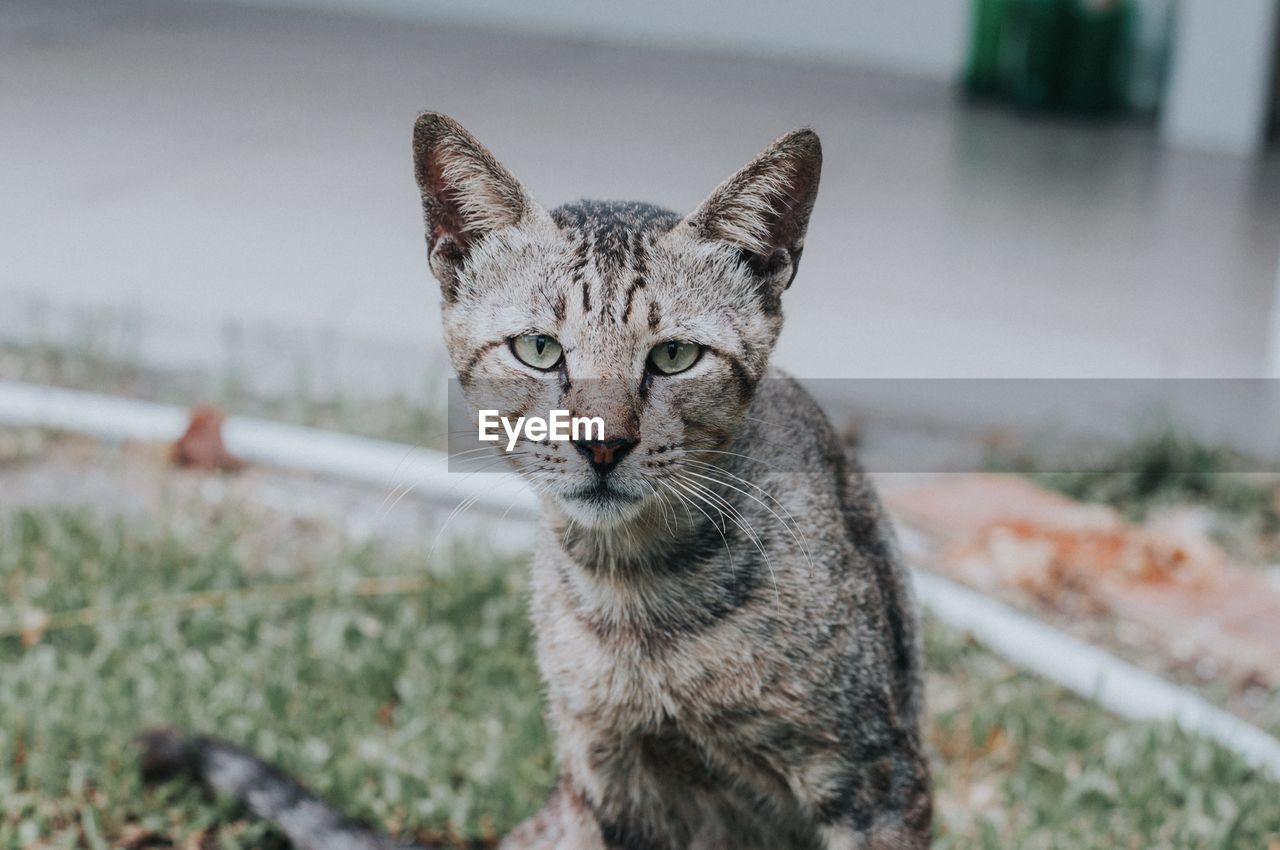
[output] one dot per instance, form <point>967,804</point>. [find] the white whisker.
<point>738,520</point>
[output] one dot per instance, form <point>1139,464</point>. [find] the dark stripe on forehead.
<point>655,316</point>
<point>626,216</point>
<point>636,286</point>
<point>639,245</point>
<point>614,237</point>
<point>577,271</point>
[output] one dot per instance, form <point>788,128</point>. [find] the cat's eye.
<point>537,350</point>
<point>674,356</point>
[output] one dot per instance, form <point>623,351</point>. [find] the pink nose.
<point>604,455</point>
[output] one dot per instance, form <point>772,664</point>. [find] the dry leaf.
<point>33,623</point>
<point>201,447</point>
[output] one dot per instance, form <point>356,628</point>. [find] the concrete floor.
<point>207,167</point>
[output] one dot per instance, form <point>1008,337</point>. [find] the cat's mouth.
<point>601,503</point>
<point>600,492</point>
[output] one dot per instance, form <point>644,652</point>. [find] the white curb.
<point>1092,673</point>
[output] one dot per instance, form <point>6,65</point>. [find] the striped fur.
<point>727,636</point>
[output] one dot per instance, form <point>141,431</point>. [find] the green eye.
<point>668,358</point>
<point>537,350</point>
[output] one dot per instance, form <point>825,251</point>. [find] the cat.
<point>727,635</point>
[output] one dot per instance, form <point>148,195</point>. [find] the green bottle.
<point>1096,74</point>
<point>982,74</point>
<point>1035,56</point>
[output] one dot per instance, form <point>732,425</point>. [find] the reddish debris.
<point>201,447</point>
<point>1004,530</point>
<point>1002,533</point>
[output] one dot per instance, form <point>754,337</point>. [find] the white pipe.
<point>379,462</point>
<point>106,417</point>
<point>1028,643</point>
<point>1090,672</point>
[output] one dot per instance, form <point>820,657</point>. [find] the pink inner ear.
<point>467,194</point>
<point>448,228</point>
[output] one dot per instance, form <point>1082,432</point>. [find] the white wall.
<point>1221,76</point>
<point>919,37</point>
<point>1221,57</point>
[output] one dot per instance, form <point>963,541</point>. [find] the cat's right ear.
<point>466,194</point>
<point>763,210</point>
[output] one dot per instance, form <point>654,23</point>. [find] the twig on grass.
<point>32,628</point>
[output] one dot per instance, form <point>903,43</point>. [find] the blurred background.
<point>1012,187</point>
<point>213,202</point>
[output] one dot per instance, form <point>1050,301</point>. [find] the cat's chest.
<point>632,676</point>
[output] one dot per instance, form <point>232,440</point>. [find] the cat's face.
<point>660,325</point>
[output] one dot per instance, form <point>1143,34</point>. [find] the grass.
<point>417,708</point>
<point>405,691</point>
<point>1019,763</point>
<point>1162,467</point>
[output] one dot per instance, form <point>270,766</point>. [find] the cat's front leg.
<point>840,837</point>
<point>564,823</point>
<point>882,805</point>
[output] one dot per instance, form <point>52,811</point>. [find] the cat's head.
<point>660,324</point>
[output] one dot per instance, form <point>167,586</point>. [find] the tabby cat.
<point>727,636</point>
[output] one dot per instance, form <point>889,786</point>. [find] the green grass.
<point>413,709</point>
<point>1021,764</point>
<point>1163,467</point>
<point>418,709</point>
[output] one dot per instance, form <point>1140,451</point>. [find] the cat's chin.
<point>600,505</point>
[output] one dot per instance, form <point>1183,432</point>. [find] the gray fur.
<point>265,791</point>
<point>729,644</point>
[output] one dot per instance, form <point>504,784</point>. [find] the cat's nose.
<point>604,455</point>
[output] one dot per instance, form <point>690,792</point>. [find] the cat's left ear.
<point>466,194</point>
<point>763,210</point>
